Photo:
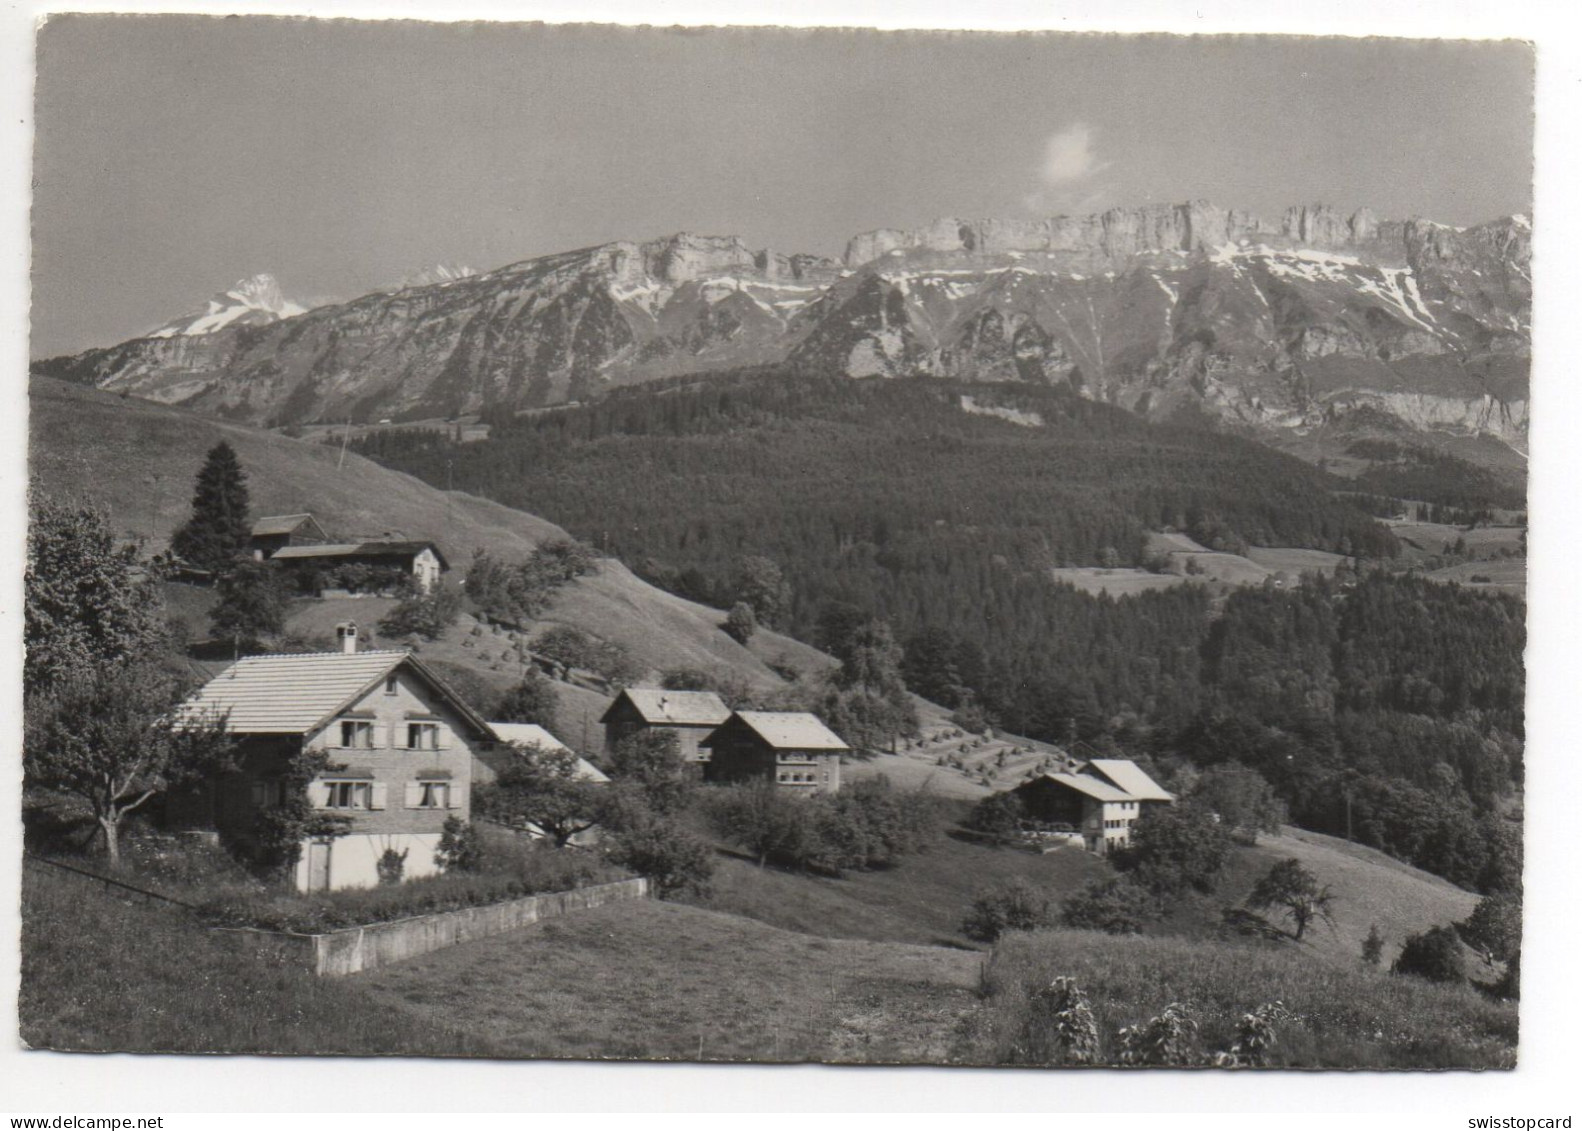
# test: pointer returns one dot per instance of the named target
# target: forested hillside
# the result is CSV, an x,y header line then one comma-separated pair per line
x,y
1378,704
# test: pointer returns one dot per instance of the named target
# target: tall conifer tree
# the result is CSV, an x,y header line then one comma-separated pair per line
x,y
217,533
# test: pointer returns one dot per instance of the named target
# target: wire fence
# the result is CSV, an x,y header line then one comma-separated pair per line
x,y
114,886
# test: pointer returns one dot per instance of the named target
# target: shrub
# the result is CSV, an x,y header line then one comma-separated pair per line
x,y
391,866
513,872
534,700
651,762
1373,946
460,847
764,820
1255,1036
1245,803
740,623
1494,928
424,614
1060,1026
1174,848
675,859
1114,906
971,717
1014,905
1168,1039
1435,955
998,815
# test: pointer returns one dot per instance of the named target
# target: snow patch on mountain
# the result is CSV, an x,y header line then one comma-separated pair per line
x,y
255,301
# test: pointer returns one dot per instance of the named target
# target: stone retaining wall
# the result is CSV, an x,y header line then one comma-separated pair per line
x,y
355,949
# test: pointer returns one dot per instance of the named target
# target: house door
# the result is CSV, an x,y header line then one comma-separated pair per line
x,y
318,865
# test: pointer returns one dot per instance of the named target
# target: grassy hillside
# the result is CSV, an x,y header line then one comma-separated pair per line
x,y
667,981
663,981
138,460
1370,888
1340,1016
922,899
103,975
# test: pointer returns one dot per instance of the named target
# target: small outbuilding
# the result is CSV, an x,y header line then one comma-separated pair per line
x,y
422,561
275,532
690,715
793,749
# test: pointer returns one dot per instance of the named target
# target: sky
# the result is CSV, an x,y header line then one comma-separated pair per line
x,y
175,155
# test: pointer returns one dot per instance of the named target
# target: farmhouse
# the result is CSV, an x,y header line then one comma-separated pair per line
x,y
1092,803
400,757
689,715
1128,777
422,561
793,749
277,531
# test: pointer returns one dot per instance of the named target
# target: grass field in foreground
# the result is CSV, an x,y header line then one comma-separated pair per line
x,y
664,981
1342,1016
103,975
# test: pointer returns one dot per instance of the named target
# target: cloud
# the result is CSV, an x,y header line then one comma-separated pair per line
x,y
1067,173
1069,156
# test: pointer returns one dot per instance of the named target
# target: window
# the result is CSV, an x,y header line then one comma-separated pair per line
x,y
357,734
433,795
422,736
392,685
268,793
349,795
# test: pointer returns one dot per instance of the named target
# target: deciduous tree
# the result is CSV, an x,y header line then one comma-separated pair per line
x,y
541,787
1295,892
85,608
114,739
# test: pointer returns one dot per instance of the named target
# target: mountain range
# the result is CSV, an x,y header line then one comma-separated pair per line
x,y
1280,325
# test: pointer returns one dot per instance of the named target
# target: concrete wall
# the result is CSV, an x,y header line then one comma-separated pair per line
x,y
356,949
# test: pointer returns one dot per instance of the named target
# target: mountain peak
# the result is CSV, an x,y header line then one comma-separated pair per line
x,y
254,301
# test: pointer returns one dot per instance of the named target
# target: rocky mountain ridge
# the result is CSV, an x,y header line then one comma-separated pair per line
x,y
1278,325
254,301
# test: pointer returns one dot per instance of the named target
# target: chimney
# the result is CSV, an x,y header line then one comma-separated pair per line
x,y
346,633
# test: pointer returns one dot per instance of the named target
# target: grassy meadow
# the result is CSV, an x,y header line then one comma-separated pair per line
x,y
1341,1015
100,974
664,981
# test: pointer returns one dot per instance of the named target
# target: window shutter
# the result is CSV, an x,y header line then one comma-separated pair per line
x,y
456,796
379,792
414,794
442,737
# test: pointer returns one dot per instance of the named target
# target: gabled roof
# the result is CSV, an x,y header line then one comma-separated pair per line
x,y
791,730
528,734
297,694
531,734
661,707
1128,776
284,524
361,550
1093,787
